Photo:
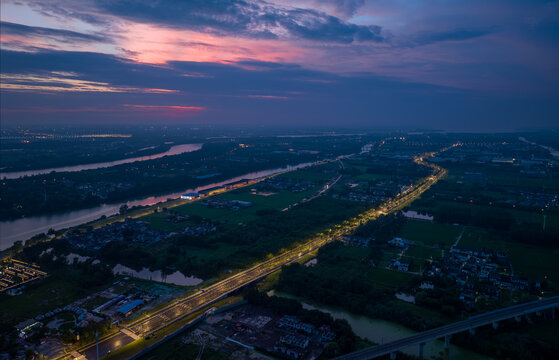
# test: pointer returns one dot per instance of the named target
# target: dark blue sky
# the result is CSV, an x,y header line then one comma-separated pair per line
x,y
457,65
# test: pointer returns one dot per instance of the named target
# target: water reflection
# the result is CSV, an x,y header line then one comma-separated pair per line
x,y
23,229
176,278
382,331
174,150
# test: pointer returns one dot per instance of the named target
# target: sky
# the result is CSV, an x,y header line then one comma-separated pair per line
x,y
472,65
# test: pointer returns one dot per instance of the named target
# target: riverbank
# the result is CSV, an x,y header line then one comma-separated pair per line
x,y
382,331
23,229
174,150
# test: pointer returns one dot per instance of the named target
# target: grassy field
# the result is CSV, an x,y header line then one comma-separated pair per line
x,y
388,279
429,233
504,176
41,297
424,253
353,259
277,201
388,254
426,313
520,216
315,175
370,177
248,234
94,302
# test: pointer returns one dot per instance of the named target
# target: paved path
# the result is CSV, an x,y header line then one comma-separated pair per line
x,y
458,238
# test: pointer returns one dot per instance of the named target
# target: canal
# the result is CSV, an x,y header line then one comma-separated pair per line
x,y
382,331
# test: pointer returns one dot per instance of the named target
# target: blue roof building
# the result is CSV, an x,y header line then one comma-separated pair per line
x,y
127,308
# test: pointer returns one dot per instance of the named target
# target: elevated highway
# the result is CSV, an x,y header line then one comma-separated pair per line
x,y
181,308
447,331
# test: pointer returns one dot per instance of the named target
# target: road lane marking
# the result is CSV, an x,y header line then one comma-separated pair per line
x,y
129,333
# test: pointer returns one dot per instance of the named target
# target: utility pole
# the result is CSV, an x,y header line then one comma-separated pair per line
x,y
97,343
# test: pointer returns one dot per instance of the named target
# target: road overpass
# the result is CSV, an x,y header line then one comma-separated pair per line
x,y
447,331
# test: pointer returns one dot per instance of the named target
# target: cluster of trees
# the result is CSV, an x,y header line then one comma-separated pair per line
x,y
272,231
444,297
510,341
341,281
83,275
44,154
65,191
9,341
346,341
501,220
382,229
350,293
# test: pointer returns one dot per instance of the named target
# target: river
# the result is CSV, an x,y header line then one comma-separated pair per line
x,y
23,229
382,331
174,150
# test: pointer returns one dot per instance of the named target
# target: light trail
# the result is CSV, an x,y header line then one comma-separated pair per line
x,y
182,307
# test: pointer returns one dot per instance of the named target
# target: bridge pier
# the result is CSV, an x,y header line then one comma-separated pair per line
x,y
393,355
421,346
518,318
447,342
472,331
495,325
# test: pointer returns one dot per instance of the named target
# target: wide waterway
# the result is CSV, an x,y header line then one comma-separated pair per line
x,y
23,229
382,331
174,150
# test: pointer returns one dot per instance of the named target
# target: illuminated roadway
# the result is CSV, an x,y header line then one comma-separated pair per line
x,y
183,307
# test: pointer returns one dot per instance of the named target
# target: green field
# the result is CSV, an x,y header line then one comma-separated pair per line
x,y
245,235
424,253
94,302
388,279
41,297
503,176
429,233
371,177
315,175
277,201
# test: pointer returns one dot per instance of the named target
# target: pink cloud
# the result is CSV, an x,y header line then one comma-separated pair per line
x,y
170,111
156,45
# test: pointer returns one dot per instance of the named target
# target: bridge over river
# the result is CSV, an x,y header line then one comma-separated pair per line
x,y
447,331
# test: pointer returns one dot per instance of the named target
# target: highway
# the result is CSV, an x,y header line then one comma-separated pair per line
x,y
447,330
189,304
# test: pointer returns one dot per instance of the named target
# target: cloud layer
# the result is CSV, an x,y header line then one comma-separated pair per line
x,y
374,63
